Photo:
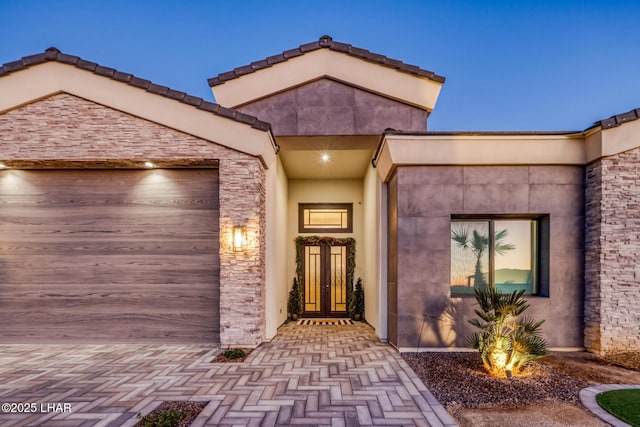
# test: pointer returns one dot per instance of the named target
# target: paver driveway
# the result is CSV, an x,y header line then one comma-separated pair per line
x,y
308,375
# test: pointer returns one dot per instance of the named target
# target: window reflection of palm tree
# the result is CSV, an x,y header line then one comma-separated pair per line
x,y
479,245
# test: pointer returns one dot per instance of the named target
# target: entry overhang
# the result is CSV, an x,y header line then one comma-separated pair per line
x,y
397,149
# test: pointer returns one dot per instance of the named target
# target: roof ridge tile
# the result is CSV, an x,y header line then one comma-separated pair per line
x,y
256,65
308,47
87,65
325,42
104,71
122,77
158,89
13,66
67,59
33,59
176,94
292,53
618,119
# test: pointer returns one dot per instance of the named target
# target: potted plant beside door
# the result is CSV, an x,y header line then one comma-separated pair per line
x,y
358,301
294,305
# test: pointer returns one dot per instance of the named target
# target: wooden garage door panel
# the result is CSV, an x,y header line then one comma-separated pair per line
x,y
99,269
203,243
117,256
130,327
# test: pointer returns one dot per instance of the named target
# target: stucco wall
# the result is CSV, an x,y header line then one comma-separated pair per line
x,y
67,127
392,260
327,107
427,197
612,317
278,286
370,249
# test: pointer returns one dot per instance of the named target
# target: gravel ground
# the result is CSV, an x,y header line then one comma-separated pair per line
x,y
629,360
548,394
459,379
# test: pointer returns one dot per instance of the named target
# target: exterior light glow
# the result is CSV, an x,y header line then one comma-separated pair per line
x,y
325,157
149,164
239,238
2,165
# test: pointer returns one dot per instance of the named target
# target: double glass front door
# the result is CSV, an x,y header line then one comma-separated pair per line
x,y
325,280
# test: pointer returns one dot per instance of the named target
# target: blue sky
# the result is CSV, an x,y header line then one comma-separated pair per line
x,y
510,65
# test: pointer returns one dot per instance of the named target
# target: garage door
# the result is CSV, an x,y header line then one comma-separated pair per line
x,y
109,256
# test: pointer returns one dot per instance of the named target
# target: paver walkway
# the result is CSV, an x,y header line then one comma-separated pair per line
x,y
308,375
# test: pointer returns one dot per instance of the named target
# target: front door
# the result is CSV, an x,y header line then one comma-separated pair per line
x,y
325,280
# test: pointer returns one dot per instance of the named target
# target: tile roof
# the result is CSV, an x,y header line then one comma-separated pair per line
x,y
325,42
618,119
53,54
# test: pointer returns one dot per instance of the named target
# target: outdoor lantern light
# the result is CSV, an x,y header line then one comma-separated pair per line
x,y
239,238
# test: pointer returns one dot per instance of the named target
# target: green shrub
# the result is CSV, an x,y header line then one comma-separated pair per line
x,y
294,305
234,353
506,341
169,418
358,299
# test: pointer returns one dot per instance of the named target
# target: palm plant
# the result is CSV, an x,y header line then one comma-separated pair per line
x,y
479,244
506,341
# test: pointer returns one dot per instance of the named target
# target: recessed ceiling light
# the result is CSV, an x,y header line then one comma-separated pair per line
x,y
325,157
149,164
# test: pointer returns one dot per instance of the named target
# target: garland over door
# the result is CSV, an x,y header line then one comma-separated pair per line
x,y
109,256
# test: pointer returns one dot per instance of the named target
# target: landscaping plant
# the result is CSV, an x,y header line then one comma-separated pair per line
x,y
234,353
169,418
507,341
294,305
357,301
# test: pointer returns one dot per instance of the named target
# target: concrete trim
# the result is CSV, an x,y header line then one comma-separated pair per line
x,y
620,139
415,90
509,149
50,78
435,350
469,350
502,148
588,399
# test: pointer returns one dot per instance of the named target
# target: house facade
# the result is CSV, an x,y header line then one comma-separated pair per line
x,y
135,213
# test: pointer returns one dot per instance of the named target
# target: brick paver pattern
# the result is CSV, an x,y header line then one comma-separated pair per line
x,y
338,375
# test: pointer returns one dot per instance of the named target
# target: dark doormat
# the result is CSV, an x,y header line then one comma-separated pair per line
x,y
335,322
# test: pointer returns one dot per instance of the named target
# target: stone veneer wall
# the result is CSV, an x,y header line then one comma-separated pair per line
x,y
71,128
612,272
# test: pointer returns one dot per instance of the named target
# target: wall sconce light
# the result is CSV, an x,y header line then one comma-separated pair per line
x,y
239,238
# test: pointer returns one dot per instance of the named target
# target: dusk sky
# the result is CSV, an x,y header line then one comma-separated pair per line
x,y
510,65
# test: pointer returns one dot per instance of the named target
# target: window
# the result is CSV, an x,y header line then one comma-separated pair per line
x,y
500,252
325,218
